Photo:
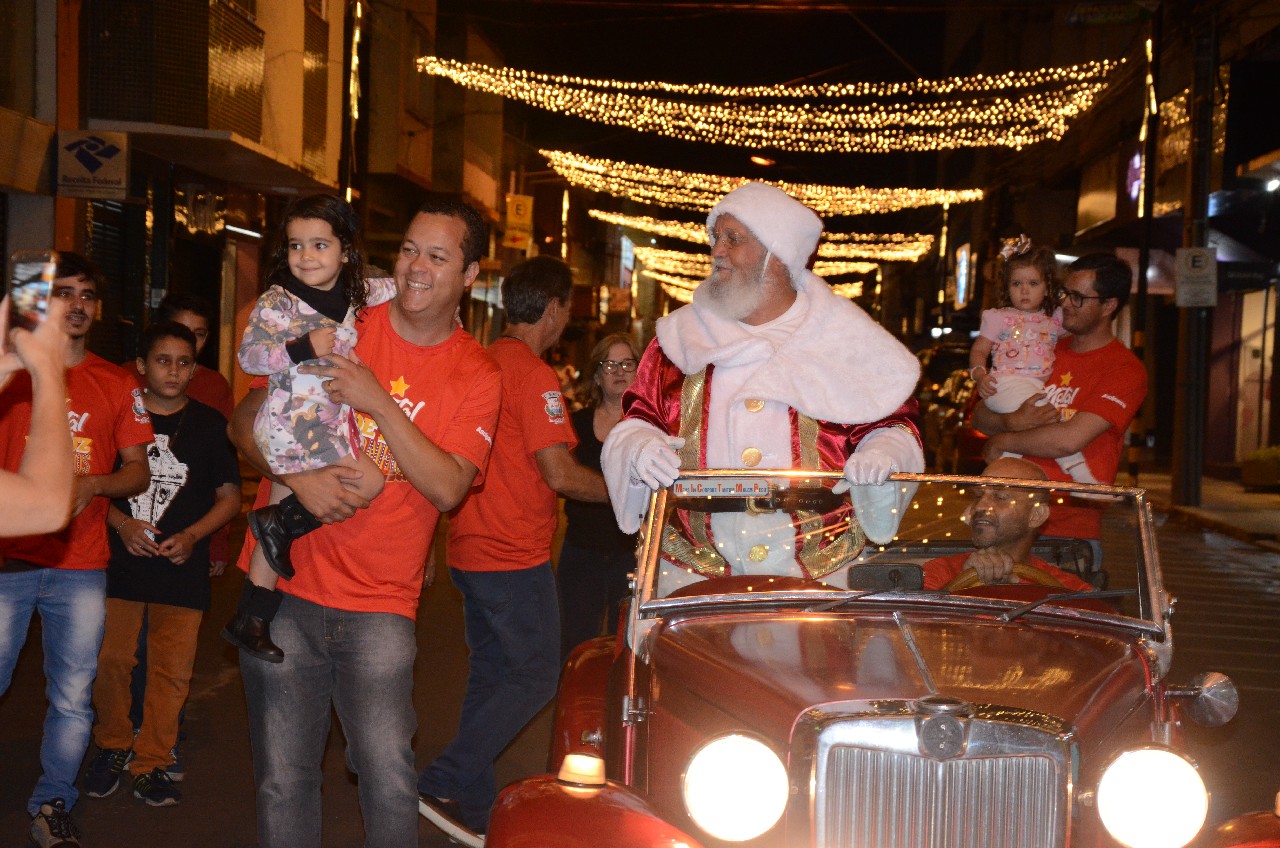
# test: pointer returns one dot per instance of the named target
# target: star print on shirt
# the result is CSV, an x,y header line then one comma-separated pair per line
x,y
1065,379
399,387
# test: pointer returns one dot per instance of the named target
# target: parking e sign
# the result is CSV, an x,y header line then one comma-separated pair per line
x,y
1196,281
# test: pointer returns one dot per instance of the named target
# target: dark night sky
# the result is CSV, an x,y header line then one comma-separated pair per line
x,y
642,41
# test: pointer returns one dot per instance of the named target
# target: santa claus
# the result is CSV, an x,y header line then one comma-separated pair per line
x,y
766,369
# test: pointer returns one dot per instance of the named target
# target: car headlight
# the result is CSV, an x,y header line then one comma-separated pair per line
x,y
735,788
1152,798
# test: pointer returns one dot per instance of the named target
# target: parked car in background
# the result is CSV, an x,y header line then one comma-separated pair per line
x,y
951,444
842,705
938,363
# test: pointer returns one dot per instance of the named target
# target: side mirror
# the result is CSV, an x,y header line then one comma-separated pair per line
x,y
1211,700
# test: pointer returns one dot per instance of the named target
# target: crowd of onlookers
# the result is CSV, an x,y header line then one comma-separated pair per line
x,y
373,413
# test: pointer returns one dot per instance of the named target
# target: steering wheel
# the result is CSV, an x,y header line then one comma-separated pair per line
x,y
968,578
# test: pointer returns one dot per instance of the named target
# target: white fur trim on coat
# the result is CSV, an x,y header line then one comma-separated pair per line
x,y
839,366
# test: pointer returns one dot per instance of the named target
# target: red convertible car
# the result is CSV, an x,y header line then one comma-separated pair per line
x,y
782,680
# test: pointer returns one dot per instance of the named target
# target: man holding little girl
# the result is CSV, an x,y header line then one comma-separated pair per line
x,y
1094,390
345,623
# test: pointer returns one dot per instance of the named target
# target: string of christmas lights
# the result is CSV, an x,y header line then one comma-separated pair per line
x,y
699,192
1010,110
883,247
1175,124
698,266
677,288
849,290
681,289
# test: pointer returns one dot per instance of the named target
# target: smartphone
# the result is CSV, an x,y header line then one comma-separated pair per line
x,y
31,275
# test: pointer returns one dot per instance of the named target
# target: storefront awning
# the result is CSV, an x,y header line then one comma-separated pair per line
x,y
220,154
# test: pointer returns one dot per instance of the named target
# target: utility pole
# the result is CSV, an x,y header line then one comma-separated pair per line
x,y
1150,155
1193,323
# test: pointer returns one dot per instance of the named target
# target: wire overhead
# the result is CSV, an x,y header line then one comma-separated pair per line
x,y
1010,110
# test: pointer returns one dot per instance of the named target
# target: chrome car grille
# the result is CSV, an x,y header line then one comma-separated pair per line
x,y
876,788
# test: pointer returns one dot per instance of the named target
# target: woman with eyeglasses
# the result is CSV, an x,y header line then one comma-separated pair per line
x,y
596,557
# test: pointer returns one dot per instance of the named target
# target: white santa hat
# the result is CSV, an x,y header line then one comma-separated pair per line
x,y
786,227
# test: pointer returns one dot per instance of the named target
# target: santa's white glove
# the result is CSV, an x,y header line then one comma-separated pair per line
x,y
865,468
656,463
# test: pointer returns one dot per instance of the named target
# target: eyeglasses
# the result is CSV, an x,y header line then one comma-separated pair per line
x,y
1077,299
86,296
611,367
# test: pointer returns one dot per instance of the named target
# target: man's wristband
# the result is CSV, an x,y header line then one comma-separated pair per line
x,y
123,521
973,372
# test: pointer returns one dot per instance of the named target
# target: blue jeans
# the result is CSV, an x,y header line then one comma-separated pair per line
x,y
513,632
73,612
362,664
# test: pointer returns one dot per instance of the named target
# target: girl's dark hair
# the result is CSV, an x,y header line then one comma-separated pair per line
x,y
341,218
1040,258
160,330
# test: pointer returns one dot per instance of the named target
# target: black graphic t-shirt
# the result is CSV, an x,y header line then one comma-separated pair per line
x,y
190,459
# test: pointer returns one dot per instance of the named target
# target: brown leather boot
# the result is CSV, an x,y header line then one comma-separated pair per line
x,y
250,628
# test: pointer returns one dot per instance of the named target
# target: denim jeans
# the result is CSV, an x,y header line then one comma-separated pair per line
x,y
361,663
72,607
513,632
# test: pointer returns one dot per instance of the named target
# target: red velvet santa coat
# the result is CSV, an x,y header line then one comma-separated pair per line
x,y
824,362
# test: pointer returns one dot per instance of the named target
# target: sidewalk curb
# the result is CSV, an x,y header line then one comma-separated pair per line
x,y
1196,517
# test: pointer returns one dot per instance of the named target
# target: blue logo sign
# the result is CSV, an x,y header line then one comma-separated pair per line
x,y
92,152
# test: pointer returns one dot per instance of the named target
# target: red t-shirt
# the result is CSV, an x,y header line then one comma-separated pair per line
x,y
507,523
1111,383
373,561
105,410
939,572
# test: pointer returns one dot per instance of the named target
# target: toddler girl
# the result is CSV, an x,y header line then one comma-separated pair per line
x,y
1019,336
316,289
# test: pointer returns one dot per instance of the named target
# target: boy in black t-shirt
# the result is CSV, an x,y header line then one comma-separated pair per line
x,y
159,569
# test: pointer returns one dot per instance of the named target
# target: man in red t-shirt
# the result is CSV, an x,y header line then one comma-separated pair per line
x,y
62,575
1004,523
1096,388
427,398
508,589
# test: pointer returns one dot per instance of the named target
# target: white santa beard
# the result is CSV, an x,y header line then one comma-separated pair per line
x,y
736,302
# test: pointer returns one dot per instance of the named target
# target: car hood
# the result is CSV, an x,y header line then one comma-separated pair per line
x,y
762,672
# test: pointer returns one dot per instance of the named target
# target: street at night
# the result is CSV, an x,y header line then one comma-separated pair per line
x,y
1228,602
511,272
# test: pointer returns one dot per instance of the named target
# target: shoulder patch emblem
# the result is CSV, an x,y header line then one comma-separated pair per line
x,y
554,407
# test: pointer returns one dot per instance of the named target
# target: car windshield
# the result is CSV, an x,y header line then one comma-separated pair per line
x,y
722,533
